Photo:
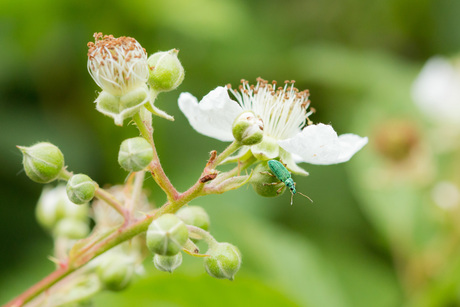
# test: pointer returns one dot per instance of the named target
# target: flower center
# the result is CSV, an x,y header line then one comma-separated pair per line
x,y
283,110
118,65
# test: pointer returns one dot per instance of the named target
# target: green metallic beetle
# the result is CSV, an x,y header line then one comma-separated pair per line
x,y
282,174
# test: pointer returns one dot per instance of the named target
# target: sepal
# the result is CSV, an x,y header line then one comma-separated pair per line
x,y
221,185
122,107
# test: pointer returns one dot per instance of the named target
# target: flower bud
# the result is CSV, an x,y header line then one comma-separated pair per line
x,y
167,263
265,183
71,228
43,162
166,71
166,235
115,271
194,215
135,154
248,129
54,205
224,261
80,189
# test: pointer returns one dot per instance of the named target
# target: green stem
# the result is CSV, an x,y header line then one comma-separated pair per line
x,y
206,236
146,134
155,168
234,146
65,174
137,190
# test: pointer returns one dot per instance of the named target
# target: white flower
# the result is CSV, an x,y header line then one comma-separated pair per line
x,y
436,91
446,195
117,65
284,112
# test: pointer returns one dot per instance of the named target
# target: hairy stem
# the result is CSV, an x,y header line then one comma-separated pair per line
x,y
124,233
234,146
206,236
155,167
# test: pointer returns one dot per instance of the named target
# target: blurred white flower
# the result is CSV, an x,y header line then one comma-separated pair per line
x,y
284,113
54,206
446,195
436,90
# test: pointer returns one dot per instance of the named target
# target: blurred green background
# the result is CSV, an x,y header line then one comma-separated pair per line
x,y
372,237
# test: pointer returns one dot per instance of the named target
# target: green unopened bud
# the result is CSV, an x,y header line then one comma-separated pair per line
x,y
166,71
43,162
194,215
248,129
80,189
71,228
265,183
166,235
135,154
224,261
115,271
167,263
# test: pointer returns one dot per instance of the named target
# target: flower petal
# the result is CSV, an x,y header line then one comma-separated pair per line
x,y
319,144
214,115
289,160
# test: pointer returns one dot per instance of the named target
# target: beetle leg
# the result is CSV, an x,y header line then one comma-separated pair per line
x,y
279,190
272,183
268,173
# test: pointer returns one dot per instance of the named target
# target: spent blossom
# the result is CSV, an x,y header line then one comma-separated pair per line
x,y
119,66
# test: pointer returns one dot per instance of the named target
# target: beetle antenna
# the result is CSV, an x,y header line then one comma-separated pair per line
x,y
305,196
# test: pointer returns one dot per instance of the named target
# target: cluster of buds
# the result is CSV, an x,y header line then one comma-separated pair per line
x,y
168,235
129,79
